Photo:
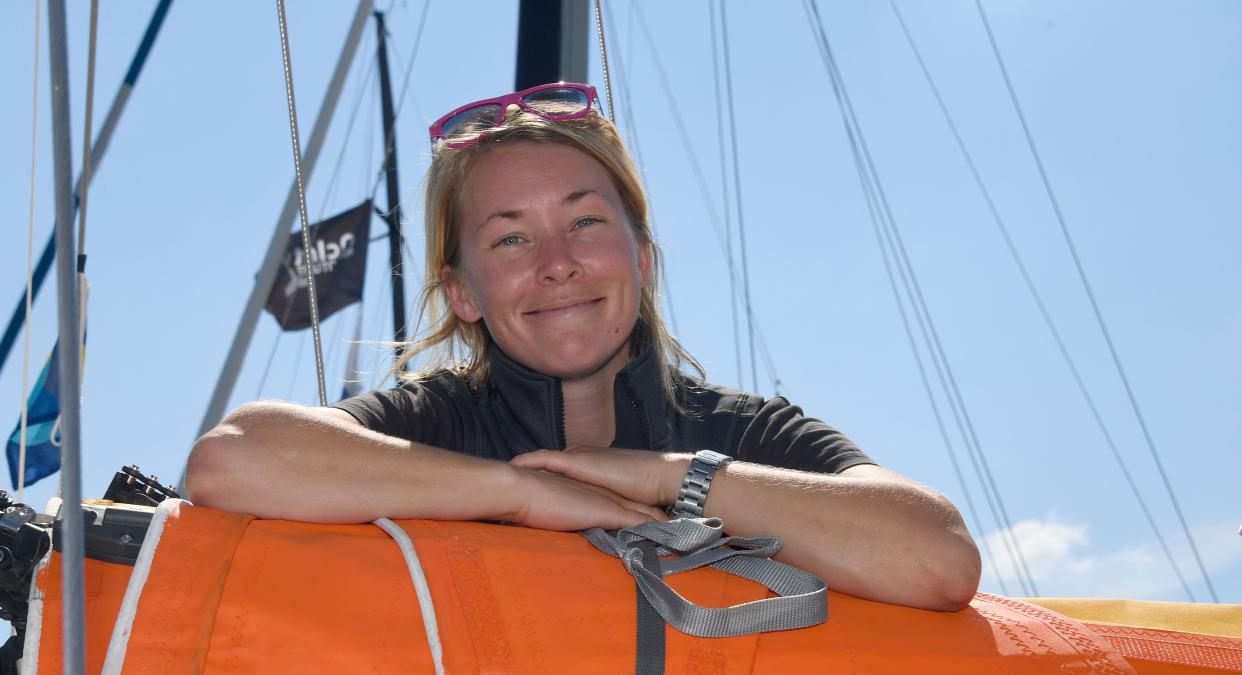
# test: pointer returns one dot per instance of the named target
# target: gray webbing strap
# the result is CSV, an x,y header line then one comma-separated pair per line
x,y
803,597
649,638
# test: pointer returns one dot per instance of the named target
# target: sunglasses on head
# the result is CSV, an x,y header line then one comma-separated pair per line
x,y
559,102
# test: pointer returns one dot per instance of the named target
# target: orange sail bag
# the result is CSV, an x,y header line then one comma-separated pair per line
x,y
221,592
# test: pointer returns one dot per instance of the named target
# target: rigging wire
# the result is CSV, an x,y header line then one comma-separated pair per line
x,y
267,368
926,324
603,58
34,163
1095,306
1043,310
722,233
293,377
43,266
409,64
86,145
768,363
884,241
328,192
930,335
365,88
683,135
377,316
379,174
724,189
83,293
333,343
632,127
626,102
885,255
297,169
389,141
737,196
369,135
405,85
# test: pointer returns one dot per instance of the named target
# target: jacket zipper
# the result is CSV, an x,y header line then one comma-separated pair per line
x,y
638,410
558,398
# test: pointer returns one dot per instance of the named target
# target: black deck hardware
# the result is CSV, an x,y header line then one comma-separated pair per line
x,y
114,533
24,539
131,486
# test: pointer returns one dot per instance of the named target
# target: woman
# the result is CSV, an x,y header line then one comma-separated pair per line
x,y
561,401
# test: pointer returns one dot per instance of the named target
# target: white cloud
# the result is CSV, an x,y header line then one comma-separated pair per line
x,y
1062,563
1044,545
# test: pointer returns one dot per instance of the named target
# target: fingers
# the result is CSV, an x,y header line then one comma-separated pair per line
x,y
631,516
556,502
590,464
649,511
573,465
539,459
652,513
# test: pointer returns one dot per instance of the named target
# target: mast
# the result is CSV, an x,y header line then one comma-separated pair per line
x,y
552,42
97,153
280,238
73,542
393,215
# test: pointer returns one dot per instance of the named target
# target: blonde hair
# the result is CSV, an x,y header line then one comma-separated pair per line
x,y
462,347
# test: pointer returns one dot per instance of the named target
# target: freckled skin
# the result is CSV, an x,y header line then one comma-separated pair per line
x,y
549,260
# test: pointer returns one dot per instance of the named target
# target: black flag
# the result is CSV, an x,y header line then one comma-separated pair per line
x,y
338,260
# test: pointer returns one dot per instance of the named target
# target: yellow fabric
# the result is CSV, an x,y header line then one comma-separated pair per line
x,y
1187,617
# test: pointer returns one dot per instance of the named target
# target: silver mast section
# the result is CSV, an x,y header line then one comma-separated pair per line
x,y
280,238
71,533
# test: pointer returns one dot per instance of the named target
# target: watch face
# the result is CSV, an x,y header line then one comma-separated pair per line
x,y
712,457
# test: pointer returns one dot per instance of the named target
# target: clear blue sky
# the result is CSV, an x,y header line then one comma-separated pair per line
x,y
1134,107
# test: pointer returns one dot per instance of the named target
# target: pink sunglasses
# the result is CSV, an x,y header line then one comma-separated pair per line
x,y
559,101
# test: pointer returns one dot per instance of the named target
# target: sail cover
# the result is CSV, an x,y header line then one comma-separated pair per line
x,y
338,259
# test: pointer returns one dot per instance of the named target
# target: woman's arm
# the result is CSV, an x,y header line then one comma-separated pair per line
x,y
867,531
283,460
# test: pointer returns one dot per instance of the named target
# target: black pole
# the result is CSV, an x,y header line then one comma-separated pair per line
x,y
538,43
393,215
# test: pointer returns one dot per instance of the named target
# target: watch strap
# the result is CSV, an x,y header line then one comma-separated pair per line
x,y
692,496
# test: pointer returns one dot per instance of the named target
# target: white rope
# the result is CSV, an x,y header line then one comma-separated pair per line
x,y
34,619
34,144
420,589
121,630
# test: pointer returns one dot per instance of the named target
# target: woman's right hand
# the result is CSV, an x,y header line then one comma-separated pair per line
x,y
551,501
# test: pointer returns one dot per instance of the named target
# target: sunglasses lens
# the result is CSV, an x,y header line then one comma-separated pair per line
x,y
473,120
557,101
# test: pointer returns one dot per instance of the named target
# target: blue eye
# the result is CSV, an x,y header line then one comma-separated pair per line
x,y
510,240
586,222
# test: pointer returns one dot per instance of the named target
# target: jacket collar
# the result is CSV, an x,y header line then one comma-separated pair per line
x,y
532,407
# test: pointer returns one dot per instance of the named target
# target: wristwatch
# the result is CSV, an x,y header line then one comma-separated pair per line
x,y
693,493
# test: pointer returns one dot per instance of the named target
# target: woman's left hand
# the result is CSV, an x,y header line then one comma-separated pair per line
x,y
638,475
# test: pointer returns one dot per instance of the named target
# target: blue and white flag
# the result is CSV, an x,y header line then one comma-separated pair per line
x,y
42,426
43,413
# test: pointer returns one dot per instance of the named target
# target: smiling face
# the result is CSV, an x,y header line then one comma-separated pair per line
x,y
548,260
